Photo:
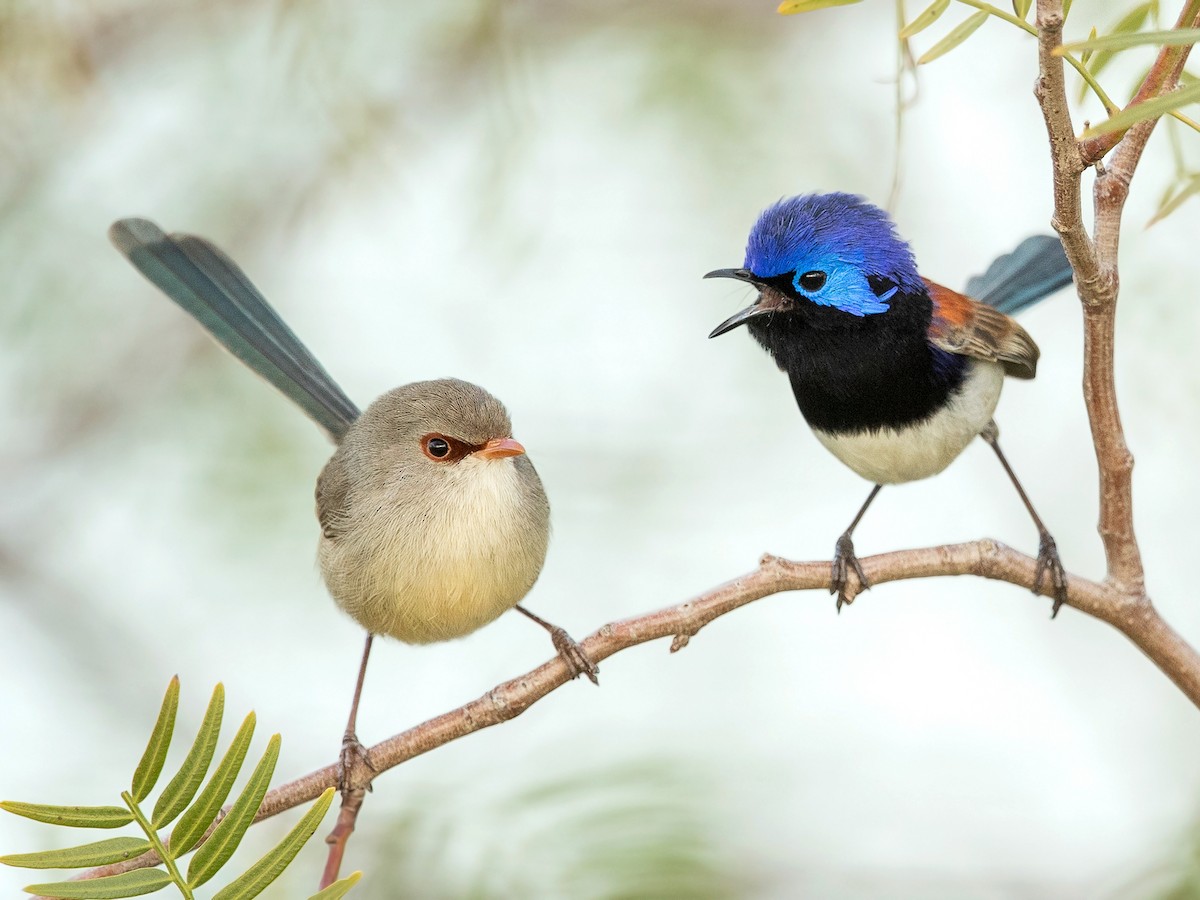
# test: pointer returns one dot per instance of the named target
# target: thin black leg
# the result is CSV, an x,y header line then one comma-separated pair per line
x,y
1048,561
844,559
570,651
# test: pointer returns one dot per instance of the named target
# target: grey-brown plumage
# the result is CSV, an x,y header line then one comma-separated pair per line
x,y
425,549
433,520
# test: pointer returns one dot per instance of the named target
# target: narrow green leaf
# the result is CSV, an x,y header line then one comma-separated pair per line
x,y
338,889
960,33
1067,9
1147,109
1021,8
151,764
72,816
215,852
1132,21
1087,54
1173,200
182,788
254,880
98,853
1173,38
127,884
200,815
931,14
791,7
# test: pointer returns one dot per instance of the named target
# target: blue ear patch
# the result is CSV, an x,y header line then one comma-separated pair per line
x,y
847,289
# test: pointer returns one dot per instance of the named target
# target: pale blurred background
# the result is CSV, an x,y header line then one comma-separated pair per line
x,y
526,195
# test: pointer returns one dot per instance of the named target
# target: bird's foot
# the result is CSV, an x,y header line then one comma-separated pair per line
x,y
843,561
1048,563
355,769
572,654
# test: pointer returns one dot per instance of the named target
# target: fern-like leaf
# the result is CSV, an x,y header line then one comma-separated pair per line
x,y
224,840
254,880
183,787
195,821
127,884
150,766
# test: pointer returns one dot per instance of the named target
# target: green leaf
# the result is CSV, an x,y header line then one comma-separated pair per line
x,y
215,852
182,788
1173,38
1147,109
254,880
1087,54
156,750
1067,9
338,889
98,853
196,820
954,38
1132,21
127,884
1173,200
791,7
932,13
71,816
1021,8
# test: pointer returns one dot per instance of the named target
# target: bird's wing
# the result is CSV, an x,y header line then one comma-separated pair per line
x,y
969,328
333,496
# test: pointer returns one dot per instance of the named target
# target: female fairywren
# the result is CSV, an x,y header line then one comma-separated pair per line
x,y
433,519
894,373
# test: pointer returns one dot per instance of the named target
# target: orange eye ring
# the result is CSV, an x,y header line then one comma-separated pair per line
x,y
441,449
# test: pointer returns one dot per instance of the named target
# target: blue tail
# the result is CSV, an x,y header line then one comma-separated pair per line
x,y
1036,269
211,287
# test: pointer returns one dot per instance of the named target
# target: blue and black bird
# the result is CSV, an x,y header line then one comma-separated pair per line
x,y
895,374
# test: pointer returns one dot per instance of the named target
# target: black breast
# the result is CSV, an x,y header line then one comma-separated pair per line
x,y
854,374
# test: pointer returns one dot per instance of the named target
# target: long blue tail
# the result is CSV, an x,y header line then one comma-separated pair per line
x,y
1036,269
211,287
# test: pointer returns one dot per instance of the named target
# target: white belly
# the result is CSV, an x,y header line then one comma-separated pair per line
x,y
894,456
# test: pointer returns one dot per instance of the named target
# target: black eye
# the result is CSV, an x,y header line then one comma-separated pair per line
x,y
811,281
438,448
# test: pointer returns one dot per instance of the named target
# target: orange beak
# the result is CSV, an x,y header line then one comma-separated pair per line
x,y
498,448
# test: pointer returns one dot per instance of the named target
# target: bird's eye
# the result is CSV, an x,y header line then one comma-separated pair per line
x,y
435,446
811,281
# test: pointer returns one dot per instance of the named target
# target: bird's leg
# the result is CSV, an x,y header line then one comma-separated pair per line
x,y
844,559
354,755
568,649
1048,561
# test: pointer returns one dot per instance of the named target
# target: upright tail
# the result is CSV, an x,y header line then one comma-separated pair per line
x,y
1036,269
211,287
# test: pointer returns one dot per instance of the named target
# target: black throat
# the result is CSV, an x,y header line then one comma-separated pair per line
x,y
854,374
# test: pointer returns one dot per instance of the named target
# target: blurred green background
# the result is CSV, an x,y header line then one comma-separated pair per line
x,y
525,195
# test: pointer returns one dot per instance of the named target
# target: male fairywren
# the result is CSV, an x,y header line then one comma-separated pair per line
x,y
894,373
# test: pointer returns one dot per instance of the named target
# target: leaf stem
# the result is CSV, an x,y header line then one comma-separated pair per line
x,y
159,847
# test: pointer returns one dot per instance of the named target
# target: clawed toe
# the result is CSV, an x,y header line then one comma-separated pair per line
x,y
572,654
1048,562
843,561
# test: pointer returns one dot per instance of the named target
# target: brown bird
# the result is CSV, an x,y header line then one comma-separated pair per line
x,y
433,519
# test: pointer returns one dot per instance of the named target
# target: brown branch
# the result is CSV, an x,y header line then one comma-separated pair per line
x,y
1133,616
1097,277
1162,77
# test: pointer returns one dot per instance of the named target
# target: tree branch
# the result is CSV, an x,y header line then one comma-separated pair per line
x,y
1162,77
1134,617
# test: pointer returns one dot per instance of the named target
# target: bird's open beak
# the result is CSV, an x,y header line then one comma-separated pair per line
x,y
498,448
769,301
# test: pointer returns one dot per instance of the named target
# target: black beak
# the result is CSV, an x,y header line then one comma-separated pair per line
x,y
737,274
760,308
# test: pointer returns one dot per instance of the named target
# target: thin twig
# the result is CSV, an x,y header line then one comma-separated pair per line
x,y
985,558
